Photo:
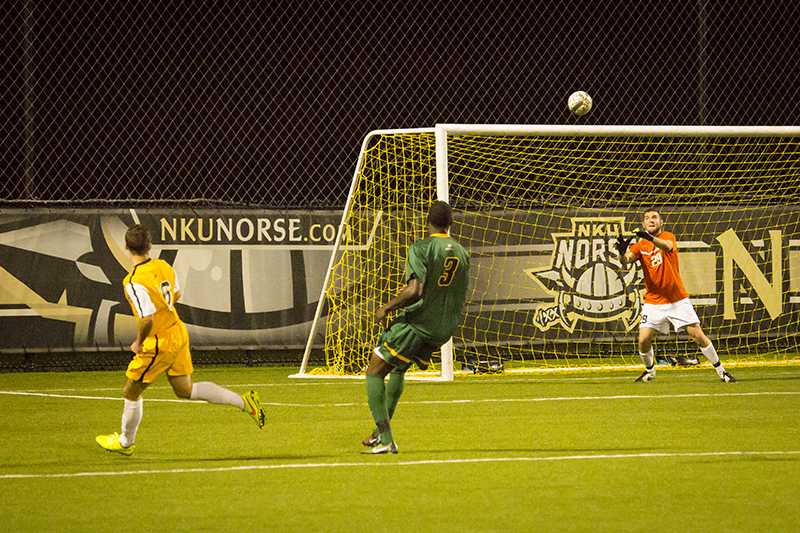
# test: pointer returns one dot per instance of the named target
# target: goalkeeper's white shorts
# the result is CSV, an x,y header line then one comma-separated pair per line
x,y
659,316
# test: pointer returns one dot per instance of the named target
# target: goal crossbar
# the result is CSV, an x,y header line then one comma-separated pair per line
x,y
553,130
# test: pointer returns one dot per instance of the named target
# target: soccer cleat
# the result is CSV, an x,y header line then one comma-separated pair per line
x,y
373,440
645,377
112,444
727,377
382,448
252,406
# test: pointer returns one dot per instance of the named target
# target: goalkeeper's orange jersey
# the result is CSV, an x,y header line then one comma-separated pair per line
x,y
150,289
662,276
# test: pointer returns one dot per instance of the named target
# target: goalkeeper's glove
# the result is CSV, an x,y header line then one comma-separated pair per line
x,y
642,234
623,243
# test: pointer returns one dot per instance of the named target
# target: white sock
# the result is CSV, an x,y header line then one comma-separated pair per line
x,y
649,360
131,416
213,393
711,354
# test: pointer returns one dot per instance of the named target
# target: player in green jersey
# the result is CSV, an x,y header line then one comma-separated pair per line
x,y
431,302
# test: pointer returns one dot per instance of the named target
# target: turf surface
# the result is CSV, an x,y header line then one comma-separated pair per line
x,y
560,452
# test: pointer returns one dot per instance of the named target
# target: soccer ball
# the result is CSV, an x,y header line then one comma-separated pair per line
x,y
579,103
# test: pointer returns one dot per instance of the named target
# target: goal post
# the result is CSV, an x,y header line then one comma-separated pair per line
x,y
365,237
538,208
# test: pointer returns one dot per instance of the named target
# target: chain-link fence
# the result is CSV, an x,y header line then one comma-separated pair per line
x,y
265,103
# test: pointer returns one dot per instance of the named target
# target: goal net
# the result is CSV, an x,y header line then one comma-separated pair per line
x,y
539,209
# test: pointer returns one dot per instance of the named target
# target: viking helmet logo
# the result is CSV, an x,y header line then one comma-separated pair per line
x,y
588,279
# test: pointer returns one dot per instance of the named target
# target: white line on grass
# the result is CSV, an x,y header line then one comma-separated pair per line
x,y
81,397
446,402
422,462
550,399
229,385
471,380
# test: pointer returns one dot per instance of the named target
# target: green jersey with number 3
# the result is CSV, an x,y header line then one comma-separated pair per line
x,y
442,266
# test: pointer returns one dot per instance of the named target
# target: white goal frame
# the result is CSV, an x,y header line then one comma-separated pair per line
x,y
443,131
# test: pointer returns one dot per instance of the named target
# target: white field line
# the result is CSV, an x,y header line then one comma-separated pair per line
x,y
82,397
228,385
423,462
448,402
676,373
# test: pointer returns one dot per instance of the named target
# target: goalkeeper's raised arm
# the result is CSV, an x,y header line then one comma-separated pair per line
x,y
651,227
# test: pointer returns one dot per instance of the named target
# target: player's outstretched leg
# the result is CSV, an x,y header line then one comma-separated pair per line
x,y
124,442
695,333
376,398
394,389
210,392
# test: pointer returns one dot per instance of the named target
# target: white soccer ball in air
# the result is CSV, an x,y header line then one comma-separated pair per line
x,y
579,103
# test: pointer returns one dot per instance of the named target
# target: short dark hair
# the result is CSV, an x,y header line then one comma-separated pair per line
x,y
652,210
440,215
137,239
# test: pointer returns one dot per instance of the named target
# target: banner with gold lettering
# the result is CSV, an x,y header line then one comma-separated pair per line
x,y
252,279
554,276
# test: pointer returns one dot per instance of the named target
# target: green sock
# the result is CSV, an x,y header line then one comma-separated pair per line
x,y
394,389
376,398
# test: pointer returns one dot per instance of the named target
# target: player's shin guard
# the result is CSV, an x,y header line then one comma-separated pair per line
x,y
710,353
648,359
131,417
213,393
376,398
394,389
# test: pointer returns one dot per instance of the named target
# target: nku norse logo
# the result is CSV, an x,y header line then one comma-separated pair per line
x,y
587,278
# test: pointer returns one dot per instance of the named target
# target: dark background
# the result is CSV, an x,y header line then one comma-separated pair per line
x,y
266,103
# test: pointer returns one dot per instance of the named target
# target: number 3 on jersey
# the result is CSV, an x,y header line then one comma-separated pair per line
x,y
449,272
166,292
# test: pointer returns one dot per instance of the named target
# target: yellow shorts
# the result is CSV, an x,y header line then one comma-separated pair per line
x,y
167,352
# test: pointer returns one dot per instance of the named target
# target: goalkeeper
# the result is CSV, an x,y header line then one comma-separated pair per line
x,y
431,302
666,300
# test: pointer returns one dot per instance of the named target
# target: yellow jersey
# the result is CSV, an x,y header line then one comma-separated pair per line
x,y
150,289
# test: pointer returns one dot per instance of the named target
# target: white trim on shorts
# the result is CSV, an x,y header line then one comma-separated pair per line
x,y
659,316
378,352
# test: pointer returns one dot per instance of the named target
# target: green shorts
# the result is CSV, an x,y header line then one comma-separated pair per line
x,y
401,345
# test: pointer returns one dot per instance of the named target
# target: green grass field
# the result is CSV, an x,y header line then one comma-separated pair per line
x,y
556,452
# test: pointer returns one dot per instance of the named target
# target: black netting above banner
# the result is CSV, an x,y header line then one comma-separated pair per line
x,y
266,103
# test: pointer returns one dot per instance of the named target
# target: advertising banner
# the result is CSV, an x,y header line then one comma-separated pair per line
x,y
249,278
252,279
555,275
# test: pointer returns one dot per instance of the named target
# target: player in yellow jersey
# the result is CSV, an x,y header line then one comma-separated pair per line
x,y
161,345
